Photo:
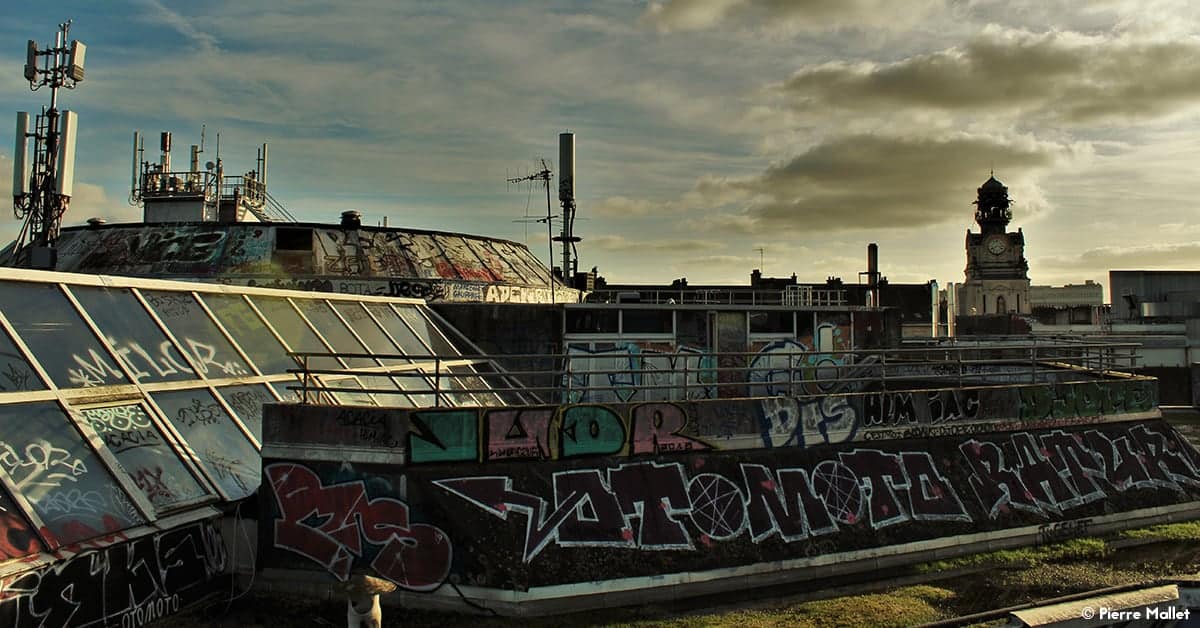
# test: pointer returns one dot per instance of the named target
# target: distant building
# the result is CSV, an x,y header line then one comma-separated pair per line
x,y
1087,293
1155,295
997,273
916,305
1072,304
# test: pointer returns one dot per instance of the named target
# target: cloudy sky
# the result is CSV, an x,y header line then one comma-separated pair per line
x,y
706,129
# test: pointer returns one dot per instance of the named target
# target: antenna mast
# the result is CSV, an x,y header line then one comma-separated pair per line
x,y
566,196
544,175
42,193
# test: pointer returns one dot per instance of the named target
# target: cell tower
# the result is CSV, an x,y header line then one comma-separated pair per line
x,y
566,196
42,189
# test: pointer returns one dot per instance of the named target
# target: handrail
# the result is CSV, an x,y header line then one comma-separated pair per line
x,y
631,373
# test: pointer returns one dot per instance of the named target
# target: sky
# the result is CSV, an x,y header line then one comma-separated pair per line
x,y
713,136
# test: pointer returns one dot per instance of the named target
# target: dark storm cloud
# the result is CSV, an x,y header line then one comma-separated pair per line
x,y
1062,76
880,182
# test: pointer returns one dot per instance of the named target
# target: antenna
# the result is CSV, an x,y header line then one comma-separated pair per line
x,y
761,252
41,194
543,175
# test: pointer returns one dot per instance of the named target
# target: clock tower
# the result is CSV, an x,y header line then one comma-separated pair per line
x,y
997,274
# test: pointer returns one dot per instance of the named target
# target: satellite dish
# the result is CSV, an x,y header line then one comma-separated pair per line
x,y
208,165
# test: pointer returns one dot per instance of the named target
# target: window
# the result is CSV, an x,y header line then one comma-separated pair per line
x,y
144,454
15,372
51,464
137,340
247,402
592,321
251,334
222,449
197,334
647,322
57,336
771,323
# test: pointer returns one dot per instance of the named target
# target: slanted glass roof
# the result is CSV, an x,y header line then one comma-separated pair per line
x,y
126,400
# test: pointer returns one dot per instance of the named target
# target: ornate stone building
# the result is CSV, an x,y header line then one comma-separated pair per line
x,y
997,274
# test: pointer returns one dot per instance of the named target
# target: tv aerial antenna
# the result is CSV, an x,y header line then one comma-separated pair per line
x,y
544,175
42,190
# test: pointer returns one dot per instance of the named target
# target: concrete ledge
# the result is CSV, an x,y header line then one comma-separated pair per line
x,y
581,596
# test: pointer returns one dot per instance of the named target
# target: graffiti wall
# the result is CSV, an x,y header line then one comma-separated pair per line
x,y
392,262
129,585
513,498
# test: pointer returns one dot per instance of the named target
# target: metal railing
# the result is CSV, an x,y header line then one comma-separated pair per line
x,y
642,375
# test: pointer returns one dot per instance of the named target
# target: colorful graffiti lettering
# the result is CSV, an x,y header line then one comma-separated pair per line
x,y
333,525
548,433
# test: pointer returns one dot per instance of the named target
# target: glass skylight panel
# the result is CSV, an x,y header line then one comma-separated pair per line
x,y
195,331
248,330
144,454
16,374
52,466
221,447
138,342
376,340
247,402
426,331
295,332
335,332
347,397
57,336
409,343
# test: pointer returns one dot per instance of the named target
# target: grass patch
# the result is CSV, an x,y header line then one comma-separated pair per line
x,y
1075,549
1186,531
902,607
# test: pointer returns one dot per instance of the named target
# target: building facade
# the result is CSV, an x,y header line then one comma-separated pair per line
x,y
997,273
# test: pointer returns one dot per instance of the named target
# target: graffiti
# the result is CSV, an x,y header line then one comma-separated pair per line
x,y
186,245
1089,399
129,585
1060,531
152,483
42,465
791,422
1057,471
310,285
416,290
122,427
631,372
548,433
93,370
462,261
17,373
926,407
647,505
788,367
229,470
17,537
200,413
371,427
336,525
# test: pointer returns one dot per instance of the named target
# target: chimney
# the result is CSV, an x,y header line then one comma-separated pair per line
x,y
351,219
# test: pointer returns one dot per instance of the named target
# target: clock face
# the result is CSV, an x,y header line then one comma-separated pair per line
x,y
996,246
